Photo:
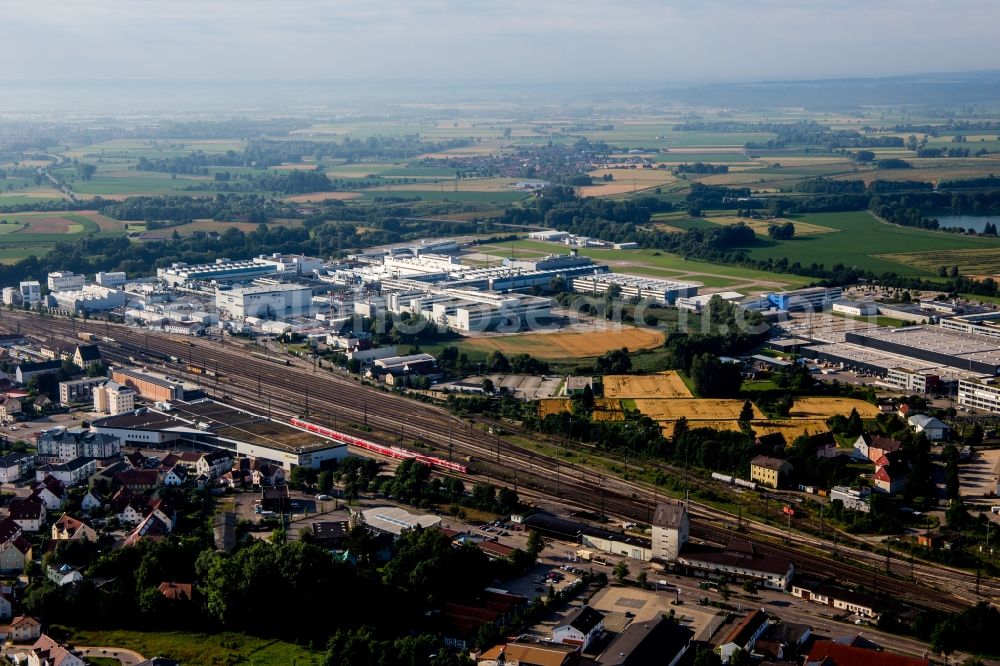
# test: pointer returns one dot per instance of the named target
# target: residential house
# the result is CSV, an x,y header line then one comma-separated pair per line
x,y
829,653
139,479
935,429
68,528
890,477
25,371
87,356
6,604
113,398
581,628
151,527
744,635
64,444
64,575
838,597
70,473
163,510
769,471
47,652
13,466
176,476
51,491
135,460
235,478
872,447
176,591
15,551
267,474
463,620
215,464
783,640
91,501
128,506
660,641
10,408
523,651
28,513
22,629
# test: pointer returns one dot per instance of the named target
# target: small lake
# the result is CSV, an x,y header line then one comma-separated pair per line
x,y
975,222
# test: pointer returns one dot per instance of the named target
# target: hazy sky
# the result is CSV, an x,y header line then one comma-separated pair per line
x,y
581,40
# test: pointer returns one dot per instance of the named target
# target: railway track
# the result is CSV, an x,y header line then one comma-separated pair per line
x,y
349,406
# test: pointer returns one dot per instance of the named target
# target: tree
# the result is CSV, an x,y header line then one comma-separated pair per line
x,y
706,657
740,658
750,587
535,543
714,379
641,578
325,481
855,426
487,386
621,572
746,414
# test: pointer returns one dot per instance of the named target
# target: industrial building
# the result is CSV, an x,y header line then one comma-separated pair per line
x,y
468,309
856,308
31,291
89,298
279,301
149,385
394,521
982,323
65,281
111,278
636,286
895,371
222,269
812,298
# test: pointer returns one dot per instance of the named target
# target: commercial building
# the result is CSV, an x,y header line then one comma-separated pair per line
x,y
980,393
279,301
111,279
113,398
657,641
581,628
812,298
856,308
853,499
89,298
31,292
739,561
895,371
744,634
982,323
25,371
698,303
394,521
149,385
221,270
972,353
78,391
636,286
468,309
65,281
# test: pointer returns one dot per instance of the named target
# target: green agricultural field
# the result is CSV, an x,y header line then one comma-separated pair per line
x,y
692,223
970,261
864,242
660,264
139,183
208,649
690,158
435,195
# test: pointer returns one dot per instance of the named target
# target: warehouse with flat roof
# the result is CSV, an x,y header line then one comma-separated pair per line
x,y
973,353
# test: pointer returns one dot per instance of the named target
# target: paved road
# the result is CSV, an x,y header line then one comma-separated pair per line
x,y
126,657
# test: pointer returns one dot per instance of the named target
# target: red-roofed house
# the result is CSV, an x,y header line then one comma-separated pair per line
x,y
176,591
68,528
744,635
22,629
47,652
828,653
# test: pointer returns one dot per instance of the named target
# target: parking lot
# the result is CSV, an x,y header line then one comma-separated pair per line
x,y
978,476
622,605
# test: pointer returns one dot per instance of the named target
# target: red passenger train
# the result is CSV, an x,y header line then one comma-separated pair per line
x,y
389,451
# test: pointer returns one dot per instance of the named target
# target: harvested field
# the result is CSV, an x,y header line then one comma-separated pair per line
x,y
693,409
664,385
760,226
625,181
607,409
824,408
984,261
790,429
323,196
667,427
571,344
549,406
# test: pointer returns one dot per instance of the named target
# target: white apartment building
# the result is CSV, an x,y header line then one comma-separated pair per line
x,y
11,296
279,301
111,279
113,398
65,280
31,291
